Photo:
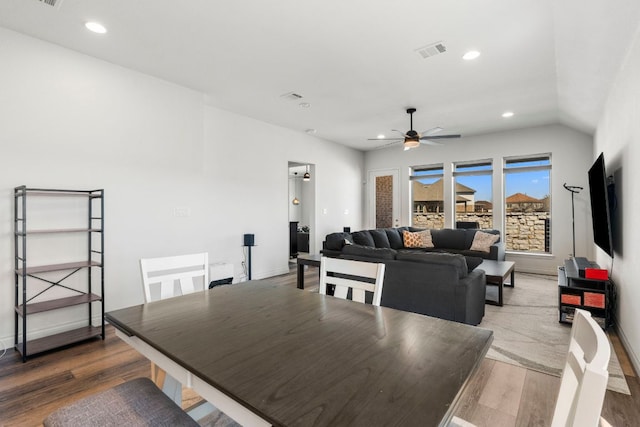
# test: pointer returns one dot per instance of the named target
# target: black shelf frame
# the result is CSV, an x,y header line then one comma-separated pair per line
x,y
571,283
24,271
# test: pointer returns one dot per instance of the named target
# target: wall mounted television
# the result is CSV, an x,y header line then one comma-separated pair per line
x,y
600,206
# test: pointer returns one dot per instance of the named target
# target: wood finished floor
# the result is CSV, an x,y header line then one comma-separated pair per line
x,y
498,395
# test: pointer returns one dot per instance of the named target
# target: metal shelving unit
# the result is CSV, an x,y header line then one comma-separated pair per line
x,y
30,301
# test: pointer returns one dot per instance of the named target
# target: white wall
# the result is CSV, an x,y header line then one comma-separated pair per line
x,y
70,121
618,136
571,153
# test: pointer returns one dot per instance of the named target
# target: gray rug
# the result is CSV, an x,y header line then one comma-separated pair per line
x,y
527,332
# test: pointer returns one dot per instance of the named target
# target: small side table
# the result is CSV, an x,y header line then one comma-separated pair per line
x,y
496,273
302,260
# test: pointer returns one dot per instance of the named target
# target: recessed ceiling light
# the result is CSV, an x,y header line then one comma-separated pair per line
x,y
310,131
305,105
381,136
507,114
472,54
96,27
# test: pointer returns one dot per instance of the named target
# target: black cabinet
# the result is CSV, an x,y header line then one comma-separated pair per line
x,y
293,239
593,295
303,242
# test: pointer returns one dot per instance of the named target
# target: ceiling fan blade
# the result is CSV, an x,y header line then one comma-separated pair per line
x,y
388,144
431,131
384,139
429,142
400,132
441,137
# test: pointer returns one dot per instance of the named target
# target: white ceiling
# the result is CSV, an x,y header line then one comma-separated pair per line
x,y
355,61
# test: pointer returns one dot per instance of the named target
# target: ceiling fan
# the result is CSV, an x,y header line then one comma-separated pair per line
x,y
412,139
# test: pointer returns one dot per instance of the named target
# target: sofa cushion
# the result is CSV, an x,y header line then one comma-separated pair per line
x,y
471,234
369,252
420,239
380,238
395,238
448,238
335,241
482,241
363,238
473,262
456,261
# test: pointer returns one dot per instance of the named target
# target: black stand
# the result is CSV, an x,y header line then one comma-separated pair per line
x,y
249,262
573,190
249,241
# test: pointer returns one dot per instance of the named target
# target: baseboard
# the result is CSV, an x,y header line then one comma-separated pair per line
x,y
633,357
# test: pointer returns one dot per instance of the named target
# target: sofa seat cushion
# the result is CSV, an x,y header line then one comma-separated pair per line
x,y
442,258
363,238
369,252
448,238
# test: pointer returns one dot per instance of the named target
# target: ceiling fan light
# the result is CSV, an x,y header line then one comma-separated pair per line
x,y
295,201
411,143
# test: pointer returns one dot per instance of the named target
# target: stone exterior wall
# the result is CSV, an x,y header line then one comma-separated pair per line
x,y
525,231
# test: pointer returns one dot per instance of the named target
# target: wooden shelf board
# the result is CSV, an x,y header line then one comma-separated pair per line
x,y
58,193
54,304
59,230
58,267
58,340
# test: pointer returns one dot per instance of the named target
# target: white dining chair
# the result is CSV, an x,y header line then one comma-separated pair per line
x,y
172,276
584,377
168,277
359,276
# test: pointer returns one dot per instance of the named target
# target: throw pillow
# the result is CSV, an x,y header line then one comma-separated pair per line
x,y
482,241
420,239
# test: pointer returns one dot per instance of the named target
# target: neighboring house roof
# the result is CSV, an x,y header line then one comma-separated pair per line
x,y
434,192
521,198
487,204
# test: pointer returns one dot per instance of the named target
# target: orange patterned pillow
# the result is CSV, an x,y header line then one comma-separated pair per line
x,y
419,239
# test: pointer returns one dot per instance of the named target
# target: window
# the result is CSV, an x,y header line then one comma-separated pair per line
x,y
427,196
527,203
473,195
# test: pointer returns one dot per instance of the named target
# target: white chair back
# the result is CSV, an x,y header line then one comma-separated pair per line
x,y
585,375
190,272
347,274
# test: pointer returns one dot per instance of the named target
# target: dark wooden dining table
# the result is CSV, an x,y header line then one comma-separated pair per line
x,y
269,354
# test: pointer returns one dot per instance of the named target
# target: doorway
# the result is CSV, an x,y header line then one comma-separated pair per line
x,y
301,207
384,199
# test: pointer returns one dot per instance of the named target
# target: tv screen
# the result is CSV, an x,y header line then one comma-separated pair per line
x,y
600,208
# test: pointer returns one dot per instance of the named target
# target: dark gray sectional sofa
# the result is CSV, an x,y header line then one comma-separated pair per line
x,y
442,281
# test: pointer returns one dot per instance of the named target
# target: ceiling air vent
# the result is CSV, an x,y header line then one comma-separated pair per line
x,y
432,50
52,3
291,96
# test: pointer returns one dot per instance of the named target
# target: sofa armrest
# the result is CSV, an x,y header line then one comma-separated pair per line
x,y
470,298
497,251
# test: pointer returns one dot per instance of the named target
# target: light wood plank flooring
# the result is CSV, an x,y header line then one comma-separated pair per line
x,y
498,395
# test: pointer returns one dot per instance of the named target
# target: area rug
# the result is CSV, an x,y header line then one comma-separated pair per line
x,y
527,332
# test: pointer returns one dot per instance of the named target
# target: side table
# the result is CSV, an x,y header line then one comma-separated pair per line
x,y
302,260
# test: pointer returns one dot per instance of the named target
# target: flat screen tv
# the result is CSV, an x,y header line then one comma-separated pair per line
x,y
600,207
